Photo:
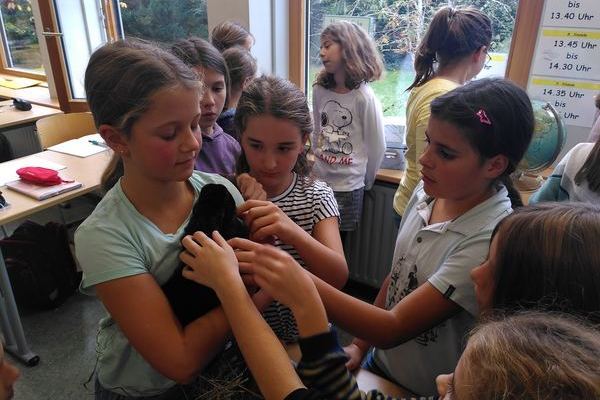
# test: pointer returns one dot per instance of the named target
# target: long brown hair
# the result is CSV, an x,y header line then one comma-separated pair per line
x,y
590,170
271,95
547,257
228,34
241,65
532,356
360,57
120,80
454,33
197,52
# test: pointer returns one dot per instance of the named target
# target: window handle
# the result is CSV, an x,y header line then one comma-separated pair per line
x,y
52,33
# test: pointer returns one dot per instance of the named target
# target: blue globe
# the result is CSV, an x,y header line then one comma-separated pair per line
x,y
548,138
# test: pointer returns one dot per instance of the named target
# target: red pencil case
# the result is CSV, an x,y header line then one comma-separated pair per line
x,y
40,176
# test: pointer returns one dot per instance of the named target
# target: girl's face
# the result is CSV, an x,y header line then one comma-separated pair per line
x,y
213,99
451,168
483,278
272,146
166,139
331,55
479,59
8,376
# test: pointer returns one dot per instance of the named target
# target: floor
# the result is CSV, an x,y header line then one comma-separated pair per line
x,y
64,339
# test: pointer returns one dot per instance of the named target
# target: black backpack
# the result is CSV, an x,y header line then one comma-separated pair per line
x,y
40,265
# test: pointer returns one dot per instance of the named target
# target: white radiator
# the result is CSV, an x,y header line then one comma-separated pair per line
x,y
370,248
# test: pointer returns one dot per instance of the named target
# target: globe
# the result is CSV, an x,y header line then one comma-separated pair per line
x,y
549,137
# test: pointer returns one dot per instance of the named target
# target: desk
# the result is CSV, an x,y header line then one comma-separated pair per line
x,y
18,127
86,170
34,94
10,116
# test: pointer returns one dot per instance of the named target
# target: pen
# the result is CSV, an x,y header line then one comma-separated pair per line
x,y
97,143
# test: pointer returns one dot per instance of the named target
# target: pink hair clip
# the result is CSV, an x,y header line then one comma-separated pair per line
x,y
483,118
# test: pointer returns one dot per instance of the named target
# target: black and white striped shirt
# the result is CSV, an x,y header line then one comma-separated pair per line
x,y
306,201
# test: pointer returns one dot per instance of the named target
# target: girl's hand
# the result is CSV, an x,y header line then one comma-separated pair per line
x,y
355,354
250,188
274,271
208,262
266,220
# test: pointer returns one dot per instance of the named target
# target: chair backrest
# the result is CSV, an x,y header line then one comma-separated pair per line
x,y
59,128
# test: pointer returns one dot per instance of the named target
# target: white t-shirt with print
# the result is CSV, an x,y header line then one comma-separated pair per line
x,y
443,255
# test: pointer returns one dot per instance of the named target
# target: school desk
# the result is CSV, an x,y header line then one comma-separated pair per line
x,y
34,94
86,170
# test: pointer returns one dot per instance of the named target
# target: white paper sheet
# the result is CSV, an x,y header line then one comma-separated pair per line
x,y
82,147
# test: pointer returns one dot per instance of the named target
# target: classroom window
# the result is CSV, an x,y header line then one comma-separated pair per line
x,y
19,40
162,21
397,26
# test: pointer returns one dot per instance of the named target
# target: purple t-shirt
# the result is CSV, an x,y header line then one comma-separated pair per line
x,y
219,153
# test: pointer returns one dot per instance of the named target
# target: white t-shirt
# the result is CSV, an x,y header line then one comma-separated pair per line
x,y
348,140
442,254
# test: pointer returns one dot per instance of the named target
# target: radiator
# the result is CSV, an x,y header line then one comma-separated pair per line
x,y
23,140
370,248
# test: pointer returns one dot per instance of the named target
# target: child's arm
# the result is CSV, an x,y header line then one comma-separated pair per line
x,y
551,190
374,135
213,263
422,309
359,347
322,366
323,252
139,307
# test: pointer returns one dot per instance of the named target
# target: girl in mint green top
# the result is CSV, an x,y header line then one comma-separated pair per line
x,y
146,105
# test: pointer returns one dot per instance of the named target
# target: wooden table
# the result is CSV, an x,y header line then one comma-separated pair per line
x,y
10,116
86,170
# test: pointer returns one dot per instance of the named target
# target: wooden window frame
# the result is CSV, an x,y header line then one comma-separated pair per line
x,y
6,70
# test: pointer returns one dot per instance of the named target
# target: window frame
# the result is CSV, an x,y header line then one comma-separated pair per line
x,y
20,72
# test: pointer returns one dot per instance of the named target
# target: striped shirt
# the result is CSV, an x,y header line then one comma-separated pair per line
x,y
306,201
322,369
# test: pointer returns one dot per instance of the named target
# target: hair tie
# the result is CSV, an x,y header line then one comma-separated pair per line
x,y
483,118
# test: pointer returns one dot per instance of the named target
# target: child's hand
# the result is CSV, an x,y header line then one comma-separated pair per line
x,y
250,188
274,271
266,220
211,263
355,356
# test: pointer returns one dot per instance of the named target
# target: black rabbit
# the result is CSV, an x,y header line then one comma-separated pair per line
x,y
214,211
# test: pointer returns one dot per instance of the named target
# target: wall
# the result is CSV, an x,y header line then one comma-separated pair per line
x,y
267,20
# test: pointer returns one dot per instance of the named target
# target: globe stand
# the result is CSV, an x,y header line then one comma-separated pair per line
x,y
526,181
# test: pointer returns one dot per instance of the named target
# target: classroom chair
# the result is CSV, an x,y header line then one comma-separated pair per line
x,y
59,128
62,127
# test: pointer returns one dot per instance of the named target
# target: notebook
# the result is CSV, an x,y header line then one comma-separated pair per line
x,y
82,147
42,192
